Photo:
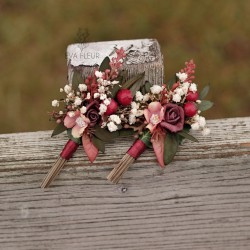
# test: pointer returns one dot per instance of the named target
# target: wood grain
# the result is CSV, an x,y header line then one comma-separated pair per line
x,y
200,201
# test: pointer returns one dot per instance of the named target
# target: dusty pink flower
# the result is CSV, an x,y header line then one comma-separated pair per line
x,y
173,118
154,115
78,123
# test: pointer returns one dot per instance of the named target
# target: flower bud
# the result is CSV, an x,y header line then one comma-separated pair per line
x,y
192,96
190,109
112,107
124,97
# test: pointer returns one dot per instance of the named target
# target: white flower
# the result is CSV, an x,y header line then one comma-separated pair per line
x,y
100,80
78,101
106,83
146,97
82,87
176,98
115,118
134,111
205,131
179,91
67,89
112,127
61,89
98,74
138,96
185,87
71,114
193,87
202,121
139,113
60,112
103,96
96,95
101,89
88,96
106,101
132,119
195,126
55,103
102,108
114,82
182,76
156,89
83,109
135,105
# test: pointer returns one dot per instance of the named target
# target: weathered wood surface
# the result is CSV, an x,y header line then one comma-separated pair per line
x,y
200,201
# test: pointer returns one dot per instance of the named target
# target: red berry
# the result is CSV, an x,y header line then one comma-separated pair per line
x,y
190,109
124,97
112,107
192,96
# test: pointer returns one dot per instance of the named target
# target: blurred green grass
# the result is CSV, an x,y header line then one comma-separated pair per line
x,y
34,36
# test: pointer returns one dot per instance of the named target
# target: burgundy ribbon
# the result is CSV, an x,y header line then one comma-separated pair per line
x,y
137,149
69,149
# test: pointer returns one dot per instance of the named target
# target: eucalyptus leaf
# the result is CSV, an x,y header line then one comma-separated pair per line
x,y
135,87
77,79
187,136
58,129
98,143
71,137
105,64
171,145
148,85
205,105
132,81
113,91
204,92
171,82
103,134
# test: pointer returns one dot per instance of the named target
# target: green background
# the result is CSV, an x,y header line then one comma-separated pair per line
x,y
34,36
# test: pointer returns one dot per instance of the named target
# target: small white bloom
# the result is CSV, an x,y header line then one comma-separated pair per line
x,y
82,87
132,119
156,89
115,118
196,118
198,111
138,96
106,83
88,96
60,112
96,95
205,131
146,97
135,105
112,127
122,116
202,121
195,126
133,111
185,87
107,101
114,82
176,98
139,113
193,87
179,91
102,108
100,81
83,109
98,74
71,114
78,101
198,101
101,89
182,76
55,103
103,96
61,89
70,95
67,89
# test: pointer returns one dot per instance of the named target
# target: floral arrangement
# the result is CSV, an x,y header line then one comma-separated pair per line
x,y
105,105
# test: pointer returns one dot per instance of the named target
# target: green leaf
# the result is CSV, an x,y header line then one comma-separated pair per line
x,y
58,129
204,92
103,134
134,88
132,80
98,143
126,132
113,91
187,136
205,105
171,145
71,137
148,85
171,82
146,138
77,79
105,64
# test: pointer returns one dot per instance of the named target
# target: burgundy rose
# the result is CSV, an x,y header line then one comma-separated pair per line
x,y
173,118
92,112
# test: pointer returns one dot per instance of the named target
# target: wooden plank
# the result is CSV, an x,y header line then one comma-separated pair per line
x,y
200,201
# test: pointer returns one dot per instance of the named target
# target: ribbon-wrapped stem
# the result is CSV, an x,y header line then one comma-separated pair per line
x,y
128,159
67,152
